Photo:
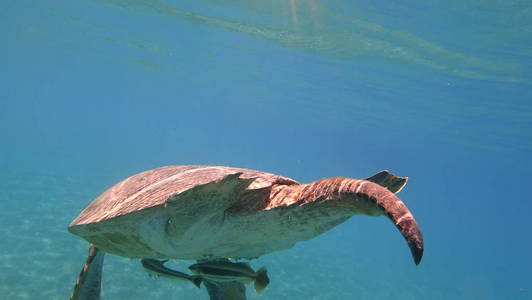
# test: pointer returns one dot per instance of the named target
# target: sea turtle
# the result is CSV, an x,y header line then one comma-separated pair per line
x,y
215,212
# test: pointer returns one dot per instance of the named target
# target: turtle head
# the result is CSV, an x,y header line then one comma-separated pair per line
x,y
367,198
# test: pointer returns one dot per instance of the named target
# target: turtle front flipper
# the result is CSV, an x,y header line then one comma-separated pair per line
x,y
388,180
89,282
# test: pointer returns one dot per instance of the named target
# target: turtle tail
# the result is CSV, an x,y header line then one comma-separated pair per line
x,y
261,280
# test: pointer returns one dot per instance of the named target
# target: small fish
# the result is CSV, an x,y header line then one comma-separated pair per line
x,y
229,271
157,268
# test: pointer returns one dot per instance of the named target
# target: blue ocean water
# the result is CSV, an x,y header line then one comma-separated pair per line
x,y
93,91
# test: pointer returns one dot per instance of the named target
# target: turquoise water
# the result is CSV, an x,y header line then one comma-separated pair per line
x,y
94,91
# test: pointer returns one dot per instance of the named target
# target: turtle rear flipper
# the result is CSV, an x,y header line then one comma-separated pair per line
x,y
388,180
89,282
